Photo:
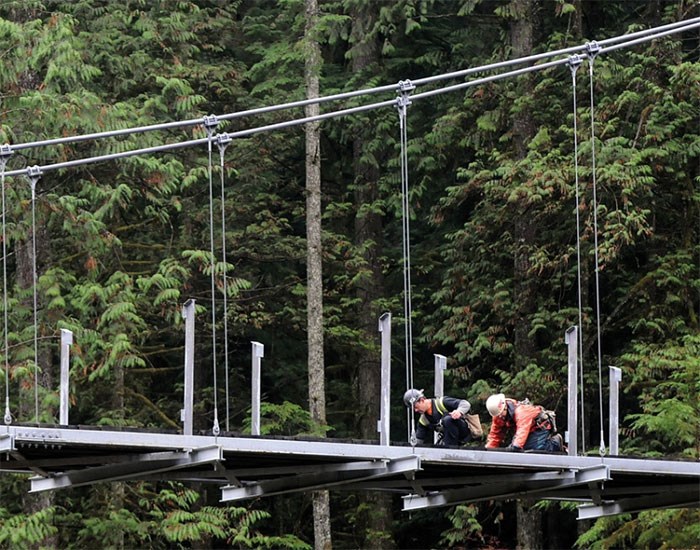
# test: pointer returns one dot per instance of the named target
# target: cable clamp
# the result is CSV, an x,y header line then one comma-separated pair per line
x,y
210,122
223,140
34,172
5,154
403,100
406,86
574,61
593,48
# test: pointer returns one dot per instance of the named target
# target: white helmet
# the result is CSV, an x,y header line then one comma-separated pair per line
x,y
411,396
496,404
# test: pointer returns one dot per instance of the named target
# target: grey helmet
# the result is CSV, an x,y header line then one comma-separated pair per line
x,y
411,396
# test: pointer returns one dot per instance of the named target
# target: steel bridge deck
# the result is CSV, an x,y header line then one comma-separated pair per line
x,y
249,467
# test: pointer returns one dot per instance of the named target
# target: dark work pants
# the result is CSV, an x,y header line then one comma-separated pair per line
x,y
454,432
539,440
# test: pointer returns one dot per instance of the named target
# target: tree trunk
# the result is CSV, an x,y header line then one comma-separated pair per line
x,y
314,271
529,519
375,526
529,525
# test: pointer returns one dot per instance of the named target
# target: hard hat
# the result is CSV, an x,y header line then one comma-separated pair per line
x,y
411,396
496,404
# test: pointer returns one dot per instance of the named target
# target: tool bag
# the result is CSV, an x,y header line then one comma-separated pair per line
x,y
474,424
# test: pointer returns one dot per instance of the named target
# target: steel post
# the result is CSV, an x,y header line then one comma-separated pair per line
x,y
571,340
439,385
258,353
187,413
615,379
385,400
66,343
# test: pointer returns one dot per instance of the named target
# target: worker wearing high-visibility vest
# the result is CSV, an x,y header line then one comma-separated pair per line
x,y
444,415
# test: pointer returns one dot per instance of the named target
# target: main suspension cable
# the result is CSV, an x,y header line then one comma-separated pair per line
x,y
614,43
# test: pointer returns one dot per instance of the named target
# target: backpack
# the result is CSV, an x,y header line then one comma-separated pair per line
x,y
547,420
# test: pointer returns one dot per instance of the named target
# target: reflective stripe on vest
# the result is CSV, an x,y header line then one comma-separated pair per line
x,y
440,406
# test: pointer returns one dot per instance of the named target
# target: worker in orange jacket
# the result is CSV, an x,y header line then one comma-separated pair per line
x,y
529,424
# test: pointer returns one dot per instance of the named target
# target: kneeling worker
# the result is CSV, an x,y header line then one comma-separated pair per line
x,y
532,427
443,415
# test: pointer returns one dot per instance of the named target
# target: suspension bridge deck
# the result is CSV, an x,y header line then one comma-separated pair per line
x,y
248,467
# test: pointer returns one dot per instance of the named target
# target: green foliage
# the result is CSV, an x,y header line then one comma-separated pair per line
x,y
19,530
465,530
122,244
653,529
288,419
670,411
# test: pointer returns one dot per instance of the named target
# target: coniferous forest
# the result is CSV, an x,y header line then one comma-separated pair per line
x,y
497,227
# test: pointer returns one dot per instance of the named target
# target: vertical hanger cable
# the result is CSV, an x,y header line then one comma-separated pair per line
x,y
593,49
33,180
402,103
8,415
222,141
574,63
210,123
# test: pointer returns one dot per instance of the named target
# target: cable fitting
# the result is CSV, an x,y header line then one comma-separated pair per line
x,y
593,48
406,86
210,122
574,61
222,140
34,172
5,154
402,101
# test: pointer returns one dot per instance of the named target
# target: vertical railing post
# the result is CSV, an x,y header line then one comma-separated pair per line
x,y
187,413
615,379
385,390
64,391
571,340
258,353
439,385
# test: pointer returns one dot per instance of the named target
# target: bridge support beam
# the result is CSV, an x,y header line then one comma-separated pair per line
x,y
511,486
7,443
326,476
684,496
130,467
